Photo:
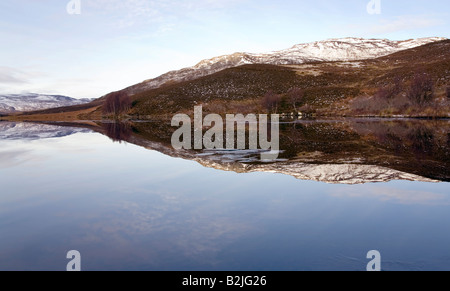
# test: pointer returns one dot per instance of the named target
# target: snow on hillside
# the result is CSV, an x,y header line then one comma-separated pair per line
x,y
28,102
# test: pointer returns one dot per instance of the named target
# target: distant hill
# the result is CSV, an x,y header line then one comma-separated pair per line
x,y
10,103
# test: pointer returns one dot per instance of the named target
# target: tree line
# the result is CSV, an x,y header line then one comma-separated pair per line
x,y
116,103
295,97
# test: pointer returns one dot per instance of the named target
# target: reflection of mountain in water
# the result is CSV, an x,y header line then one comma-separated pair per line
x,y
31,131
344,151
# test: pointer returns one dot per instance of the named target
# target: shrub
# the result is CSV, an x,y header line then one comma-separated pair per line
x,y
400,103
391,91
421,90
383,93
360,104
271,101
372,105
295,97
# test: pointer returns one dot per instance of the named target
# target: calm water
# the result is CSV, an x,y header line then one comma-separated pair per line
x,y
125,207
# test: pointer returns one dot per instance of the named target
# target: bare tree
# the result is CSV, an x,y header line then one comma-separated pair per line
x,y
448,92
295,96
116,103
271,101
421,90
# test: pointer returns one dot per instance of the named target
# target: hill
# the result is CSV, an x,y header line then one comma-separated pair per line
x,y
382,86
340,49
329,88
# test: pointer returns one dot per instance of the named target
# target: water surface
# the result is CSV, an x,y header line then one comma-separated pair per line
x,y
137,205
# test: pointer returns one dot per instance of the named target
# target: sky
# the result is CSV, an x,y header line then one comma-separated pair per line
x,y
100,46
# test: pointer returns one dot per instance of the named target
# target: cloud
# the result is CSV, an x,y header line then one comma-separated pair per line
x,y
127,13
12,76
395,195
9,159
405,22
15,80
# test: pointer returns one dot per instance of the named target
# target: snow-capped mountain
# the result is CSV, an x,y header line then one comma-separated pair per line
x,y
340,49
28,102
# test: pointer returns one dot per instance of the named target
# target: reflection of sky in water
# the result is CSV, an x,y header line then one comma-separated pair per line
x,y
124,207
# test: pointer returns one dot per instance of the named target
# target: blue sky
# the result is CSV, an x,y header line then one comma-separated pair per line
x,y
113,44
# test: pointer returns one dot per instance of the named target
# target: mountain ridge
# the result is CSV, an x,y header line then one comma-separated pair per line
x,y
335,49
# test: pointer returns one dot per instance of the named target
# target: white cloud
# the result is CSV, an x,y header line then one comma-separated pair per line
x,y
405,22
23,80
395,195
12,76
127,13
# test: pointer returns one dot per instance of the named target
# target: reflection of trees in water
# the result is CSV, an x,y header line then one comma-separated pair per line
x,y
392,141
117,131
414,146
419,138
325,137
422,141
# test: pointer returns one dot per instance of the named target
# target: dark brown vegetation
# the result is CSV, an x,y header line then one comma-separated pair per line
x,y
398,97
390,91
116,103
421,90
271,101
296,97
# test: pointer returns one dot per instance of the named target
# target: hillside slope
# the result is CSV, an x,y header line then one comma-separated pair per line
x,y
341,49
329,87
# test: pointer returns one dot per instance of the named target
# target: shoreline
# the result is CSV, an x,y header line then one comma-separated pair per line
x,y
282,120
